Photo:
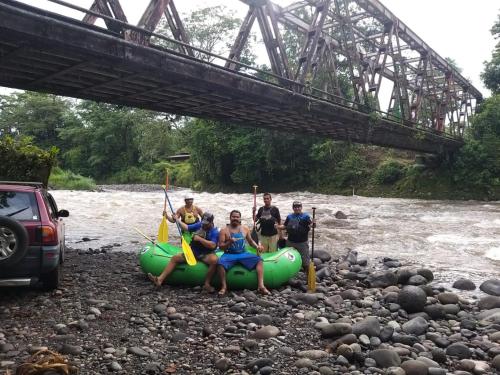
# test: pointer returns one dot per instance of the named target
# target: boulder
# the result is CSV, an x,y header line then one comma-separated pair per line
x,y
496,362
334,301
412,299
413,367
322,255
417,326
340,215
369,326
488,303
464,284
265,332
335,330
447,298
417,280
491,287
382,279
435,311
404,275
385,358
459,350
427,273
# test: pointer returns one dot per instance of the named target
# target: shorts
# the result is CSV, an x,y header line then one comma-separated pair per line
x,y
303,249
246,259
199,256
270,243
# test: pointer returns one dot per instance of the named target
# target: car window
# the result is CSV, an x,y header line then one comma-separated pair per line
x,y
19,205
52,206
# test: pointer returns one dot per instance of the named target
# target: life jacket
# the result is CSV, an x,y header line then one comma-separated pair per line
x,y
296,226
190,217
267,221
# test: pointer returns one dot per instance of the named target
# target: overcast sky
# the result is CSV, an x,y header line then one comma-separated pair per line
x,y
459,29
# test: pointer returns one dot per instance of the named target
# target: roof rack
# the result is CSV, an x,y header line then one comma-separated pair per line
x,y
34,184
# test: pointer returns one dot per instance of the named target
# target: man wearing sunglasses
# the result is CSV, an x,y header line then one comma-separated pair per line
x,y
297,225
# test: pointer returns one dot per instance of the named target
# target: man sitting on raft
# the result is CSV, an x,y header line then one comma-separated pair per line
x,y
232,241
189,213
204,242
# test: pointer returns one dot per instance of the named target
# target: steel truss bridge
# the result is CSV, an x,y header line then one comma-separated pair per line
x,y
349,50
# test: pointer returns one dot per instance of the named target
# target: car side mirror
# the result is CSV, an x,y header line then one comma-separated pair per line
x,y
63,213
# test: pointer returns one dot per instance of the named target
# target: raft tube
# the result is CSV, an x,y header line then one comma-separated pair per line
x,y
279,267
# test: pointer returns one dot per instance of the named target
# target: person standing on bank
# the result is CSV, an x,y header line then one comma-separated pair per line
x,y
298,225
188,214
267,218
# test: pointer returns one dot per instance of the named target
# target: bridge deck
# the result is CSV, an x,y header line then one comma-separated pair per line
x,y
42,51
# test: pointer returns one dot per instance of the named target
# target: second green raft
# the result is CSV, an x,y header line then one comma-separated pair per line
x,y
279,267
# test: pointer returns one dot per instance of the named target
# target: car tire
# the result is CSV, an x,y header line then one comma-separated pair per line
x,y
13,241
52,280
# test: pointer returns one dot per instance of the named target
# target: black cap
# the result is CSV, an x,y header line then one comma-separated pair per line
x,y
207,218
296,203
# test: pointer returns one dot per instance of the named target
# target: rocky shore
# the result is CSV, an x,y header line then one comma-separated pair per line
x,y
366,317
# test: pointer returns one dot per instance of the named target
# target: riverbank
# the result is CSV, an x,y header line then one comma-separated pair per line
x,y
108,318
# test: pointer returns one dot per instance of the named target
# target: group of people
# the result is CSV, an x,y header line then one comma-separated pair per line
x,y
206,238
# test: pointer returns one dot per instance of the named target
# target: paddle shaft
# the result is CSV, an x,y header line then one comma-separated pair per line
x,y
254,203
173,213
312,240
166,188
150,240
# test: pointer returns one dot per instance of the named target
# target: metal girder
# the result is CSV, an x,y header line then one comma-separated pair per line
x,y
110,8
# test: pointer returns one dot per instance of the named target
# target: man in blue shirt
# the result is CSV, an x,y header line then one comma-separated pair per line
x,y
297,225
203,242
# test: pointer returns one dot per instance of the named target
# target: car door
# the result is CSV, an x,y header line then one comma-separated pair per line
x,y
58,222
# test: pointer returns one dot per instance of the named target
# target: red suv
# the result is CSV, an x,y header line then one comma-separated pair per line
x,y
32,242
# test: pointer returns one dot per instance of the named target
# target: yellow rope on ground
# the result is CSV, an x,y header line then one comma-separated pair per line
x,y
46,360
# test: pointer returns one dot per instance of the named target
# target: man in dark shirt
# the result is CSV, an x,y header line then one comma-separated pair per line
x,y
268,217
204,240
297,225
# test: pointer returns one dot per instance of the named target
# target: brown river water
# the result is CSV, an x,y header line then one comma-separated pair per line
x,y
455,239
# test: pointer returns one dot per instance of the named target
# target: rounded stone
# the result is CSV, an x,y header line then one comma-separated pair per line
x,y
413,367
464,284
412,299
491,287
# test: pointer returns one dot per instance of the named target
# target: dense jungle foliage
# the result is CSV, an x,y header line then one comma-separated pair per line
x,y
112,144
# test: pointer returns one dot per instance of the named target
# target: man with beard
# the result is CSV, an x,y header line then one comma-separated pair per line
x,y
203,242
232,241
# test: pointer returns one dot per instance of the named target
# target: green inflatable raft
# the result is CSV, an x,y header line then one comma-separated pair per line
x,y
279,267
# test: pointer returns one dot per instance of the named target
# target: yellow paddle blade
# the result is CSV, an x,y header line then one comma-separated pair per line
x,y
188,253
163,231
311,278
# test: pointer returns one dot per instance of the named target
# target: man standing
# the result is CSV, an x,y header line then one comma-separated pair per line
x,y
232,241
267,218
297,225
203,242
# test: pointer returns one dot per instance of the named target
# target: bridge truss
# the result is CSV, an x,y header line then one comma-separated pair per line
x,y
361,74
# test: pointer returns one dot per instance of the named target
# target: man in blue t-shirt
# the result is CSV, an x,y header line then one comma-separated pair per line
x,y
204,240
297,225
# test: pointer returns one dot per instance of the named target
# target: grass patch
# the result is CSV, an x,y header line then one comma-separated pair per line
x,y
61,179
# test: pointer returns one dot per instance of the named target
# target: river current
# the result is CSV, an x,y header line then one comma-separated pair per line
x,y
455,239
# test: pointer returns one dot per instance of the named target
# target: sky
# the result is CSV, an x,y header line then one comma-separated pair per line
x,y
459,29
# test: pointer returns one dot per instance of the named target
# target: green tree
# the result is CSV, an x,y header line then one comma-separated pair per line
x,y
491,73
37,115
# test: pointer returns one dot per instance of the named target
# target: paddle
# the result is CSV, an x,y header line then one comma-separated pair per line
x,y
254,234
151,240
311,273
186,249
163,229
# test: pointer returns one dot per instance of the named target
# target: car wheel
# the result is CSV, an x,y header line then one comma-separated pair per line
x,y
13,241
52,279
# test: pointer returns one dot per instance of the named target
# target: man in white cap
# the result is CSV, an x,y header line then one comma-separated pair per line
x,y
188,214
